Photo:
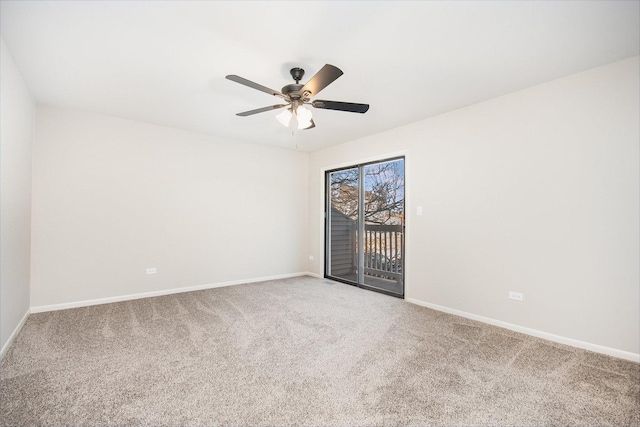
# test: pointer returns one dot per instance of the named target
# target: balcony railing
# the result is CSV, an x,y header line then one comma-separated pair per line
x,y
383,251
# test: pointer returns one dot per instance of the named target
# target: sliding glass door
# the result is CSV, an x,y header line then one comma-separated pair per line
x,y
364,235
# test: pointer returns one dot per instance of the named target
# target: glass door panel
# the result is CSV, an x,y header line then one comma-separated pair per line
x,y
384,225
342,231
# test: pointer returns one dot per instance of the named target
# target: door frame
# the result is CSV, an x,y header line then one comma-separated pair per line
x,y
326,205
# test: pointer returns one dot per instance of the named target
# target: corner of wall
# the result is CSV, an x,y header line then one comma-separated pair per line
x,y
16,146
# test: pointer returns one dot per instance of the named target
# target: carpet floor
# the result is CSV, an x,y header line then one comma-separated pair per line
x,y
300,351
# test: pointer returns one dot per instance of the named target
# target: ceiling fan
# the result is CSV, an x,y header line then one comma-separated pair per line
x,y
297,96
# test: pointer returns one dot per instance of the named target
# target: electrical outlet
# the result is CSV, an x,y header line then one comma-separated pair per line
x,y
151,271
517,296
311,257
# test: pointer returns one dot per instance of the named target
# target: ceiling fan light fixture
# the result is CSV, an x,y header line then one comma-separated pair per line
x,y
310,126
285,117
304,117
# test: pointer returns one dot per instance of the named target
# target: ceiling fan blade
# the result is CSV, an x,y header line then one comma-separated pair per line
x,y
253,85
323,78
261,110
311,126
341,106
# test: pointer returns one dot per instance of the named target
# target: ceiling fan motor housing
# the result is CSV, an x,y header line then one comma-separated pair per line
x,y
292,90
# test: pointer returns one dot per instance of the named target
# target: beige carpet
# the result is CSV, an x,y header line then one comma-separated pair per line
x,y
300,352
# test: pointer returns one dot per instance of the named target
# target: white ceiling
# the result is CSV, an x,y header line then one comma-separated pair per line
x,y
164,62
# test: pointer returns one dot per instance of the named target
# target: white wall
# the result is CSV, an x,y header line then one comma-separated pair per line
x,y
16,141
113,197
536,192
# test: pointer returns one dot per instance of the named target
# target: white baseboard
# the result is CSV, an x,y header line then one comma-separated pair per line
x,y
86,303
319,276
621,354
14,334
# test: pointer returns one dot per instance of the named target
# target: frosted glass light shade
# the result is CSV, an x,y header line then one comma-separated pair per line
x,y
285,117
304,117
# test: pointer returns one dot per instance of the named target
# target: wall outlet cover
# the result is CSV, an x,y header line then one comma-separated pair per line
x,y
516,296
